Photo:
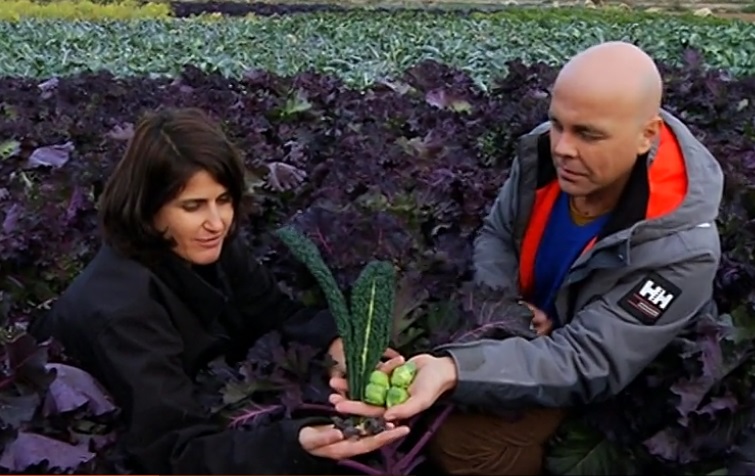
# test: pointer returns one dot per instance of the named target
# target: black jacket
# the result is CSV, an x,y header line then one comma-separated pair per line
x,y
146,333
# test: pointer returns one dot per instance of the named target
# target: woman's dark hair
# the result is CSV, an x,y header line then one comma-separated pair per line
x,y
168,147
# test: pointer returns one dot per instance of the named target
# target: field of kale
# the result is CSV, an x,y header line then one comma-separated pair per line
x,y
377,143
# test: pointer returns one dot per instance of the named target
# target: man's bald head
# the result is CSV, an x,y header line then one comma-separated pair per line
x,y
618,73
604,113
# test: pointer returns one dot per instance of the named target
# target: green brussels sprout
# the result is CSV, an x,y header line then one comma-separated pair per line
x,y
395,396
403,376
380,378
374,394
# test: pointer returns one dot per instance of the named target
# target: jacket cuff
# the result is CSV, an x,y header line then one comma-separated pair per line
x,y
467,360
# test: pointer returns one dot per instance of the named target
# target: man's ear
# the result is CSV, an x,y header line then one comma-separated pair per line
x,y
649,132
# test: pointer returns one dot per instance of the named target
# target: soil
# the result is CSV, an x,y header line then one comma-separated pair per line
x,y
738,16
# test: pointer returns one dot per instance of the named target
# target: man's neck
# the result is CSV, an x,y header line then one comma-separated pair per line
x,y
601,201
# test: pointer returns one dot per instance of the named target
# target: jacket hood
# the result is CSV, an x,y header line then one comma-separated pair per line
x,y
704,185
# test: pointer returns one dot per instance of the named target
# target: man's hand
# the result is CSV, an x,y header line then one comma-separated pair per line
x,y
540,321
338,372
326,441
435,376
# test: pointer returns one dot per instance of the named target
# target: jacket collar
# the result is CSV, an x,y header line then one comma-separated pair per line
x,y
633,201
202,288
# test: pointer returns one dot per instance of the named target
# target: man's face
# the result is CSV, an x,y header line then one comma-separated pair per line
x,y
594,140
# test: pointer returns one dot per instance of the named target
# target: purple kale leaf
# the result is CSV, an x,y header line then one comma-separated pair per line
x,y
15,410
255,414
276,380
742,459
30,450
410,301
490,314
24,362
579,449
690,403
74,389
54,156
48,410
215,382
348,238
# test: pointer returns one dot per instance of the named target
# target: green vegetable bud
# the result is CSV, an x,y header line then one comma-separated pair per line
x,y
403,376
395,396
380,378
375,394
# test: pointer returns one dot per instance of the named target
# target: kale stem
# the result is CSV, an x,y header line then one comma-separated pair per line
x,y
412,454
413,464
356,465
388,452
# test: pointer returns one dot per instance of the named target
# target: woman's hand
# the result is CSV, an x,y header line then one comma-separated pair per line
x,y
326,441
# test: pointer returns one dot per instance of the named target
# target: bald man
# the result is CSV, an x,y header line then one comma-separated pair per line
x,y
605,228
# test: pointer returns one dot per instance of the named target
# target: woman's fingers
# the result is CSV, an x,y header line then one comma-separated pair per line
x,y
348,448
339,384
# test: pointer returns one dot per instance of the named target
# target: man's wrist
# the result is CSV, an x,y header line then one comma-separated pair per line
x,y
449,372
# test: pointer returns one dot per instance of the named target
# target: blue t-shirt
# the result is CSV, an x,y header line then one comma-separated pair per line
x,y
561,244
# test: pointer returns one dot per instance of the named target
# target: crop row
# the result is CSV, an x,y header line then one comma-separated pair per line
x,y
357,46
130,9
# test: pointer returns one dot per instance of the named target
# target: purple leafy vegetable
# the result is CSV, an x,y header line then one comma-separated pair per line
x,y
32,450
73,389
402,171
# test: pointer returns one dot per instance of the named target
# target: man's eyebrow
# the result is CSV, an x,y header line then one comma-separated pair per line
x,y
589,128
592,129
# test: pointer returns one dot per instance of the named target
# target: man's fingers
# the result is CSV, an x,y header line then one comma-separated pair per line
x,y
389,365
539,318
412,406
352,407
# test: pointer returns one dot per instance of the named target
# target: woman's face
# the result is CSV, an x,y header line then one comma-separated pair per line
x,y
198,219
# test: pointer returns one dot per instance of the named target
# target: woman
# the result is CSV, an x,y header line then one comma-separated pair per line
x,y
171,289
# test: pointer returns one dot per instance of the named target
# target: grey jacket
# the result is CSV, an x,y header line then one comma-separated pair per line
x,y
621,303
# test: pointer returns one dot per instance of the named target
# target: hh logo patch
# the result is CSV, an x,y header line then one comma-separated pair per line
x,y
649,299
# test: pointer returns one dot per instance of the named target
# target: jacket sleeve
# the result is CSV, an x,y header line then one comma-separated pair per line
x,y
169,432
496,261
265,307
593,357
